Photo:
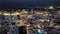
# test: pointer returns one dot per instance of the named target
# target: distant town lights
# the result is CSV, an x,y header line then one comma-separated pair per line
x,y
6,14
42,20
28,25
51,7
17,13
48,20
26,12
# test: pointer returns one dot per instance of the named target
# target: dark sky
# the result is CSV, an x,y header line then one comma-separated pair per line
x,y
27,3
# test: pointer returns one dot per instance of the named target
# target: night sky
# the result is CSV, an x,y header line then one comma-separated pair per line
x,y
27,3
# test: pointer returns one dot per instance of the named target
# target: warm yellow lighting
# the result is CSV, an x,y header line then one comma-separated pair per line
x,y
28,25
29,16
38,26
17,13
48,20
45,15
6,14
20,23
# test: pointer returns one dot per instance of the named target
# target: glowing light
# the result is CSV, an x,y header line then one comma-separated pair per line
x,y
20,23
38,26
28,25
45,15
29,16
48,20
51,7
6,14
42,20
17,13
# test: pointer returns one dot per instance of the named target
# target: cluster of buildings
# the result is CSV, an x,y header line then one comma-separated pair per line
x,y
10,21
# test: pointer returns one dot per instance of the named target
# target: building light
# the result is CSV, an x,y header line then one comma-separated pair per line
x,y
48,20
51,7
42,20
28,25
17,13
6,14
